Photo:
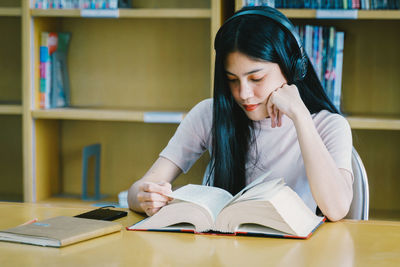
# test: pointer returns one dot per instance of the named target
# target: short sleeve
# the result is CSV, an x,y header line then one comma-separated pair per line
x,y
335,132
192,137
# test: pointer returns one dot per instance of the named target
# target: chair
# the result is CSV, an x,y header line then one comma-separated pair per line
x,y
360,204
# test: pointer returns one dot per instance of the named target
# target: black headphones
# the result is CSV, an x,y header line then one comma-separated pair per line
x,y
300,64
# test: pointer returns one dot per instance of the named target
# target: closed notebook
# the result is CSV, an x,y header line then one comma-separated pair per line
x,y
59,231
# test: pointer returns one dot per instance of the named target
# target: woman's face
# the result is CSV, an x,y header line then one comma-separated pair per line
x,y
251,83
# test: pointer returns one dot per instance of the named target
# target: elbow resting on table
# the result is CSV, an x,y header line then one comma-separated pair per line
x,y
338,212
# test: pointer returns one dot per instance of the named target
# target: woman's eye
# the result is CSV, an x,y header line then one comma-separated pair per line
x,y
256,79
231,80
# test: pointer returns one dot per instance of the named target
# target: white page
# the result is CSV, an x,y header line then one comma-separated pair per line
x,y
264,190
211,198
256,182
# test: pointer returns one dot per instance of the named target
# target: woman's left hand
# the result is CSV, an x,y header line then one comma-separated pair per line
x,y
285,100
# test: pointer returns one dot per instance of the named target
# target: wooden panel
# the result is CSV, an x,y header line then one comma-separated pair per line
x,y
11,3
27,95
371,65
380,153
11,109
171,4
10,60
158,63
89,114
10,11
47,155
128,151
130,13
11,158
374,123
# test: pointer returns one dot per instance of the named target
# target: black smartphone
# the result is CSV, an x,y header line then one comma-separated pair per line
x,y
103,214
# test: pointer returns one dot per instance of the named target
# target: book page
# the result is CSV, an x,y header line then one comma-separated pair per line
x,y
263,191
211,198
251,185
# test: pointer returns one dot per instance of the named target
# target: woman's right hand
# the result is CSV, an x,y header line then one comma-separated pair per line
x,y
152,196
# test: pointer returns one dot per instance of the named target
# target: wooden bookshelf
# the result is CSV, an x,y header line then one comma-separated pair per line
x,y
99,114
151,58
130,13
360,14
159,57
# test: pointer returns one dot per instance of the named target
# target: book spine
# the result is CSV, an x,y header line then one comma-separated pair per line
x,y
60,81
329,74
320,52
338,69
45,75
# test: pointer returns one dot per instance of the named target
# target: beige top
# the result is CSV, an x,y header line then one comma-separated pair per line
x,y
277,149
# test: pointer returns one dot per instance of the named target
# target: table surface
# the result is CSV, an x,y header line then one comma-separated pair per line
x,y
344,243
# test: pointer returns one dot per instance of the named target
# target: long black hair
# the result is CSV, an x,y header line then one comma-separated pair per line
x,y
262,39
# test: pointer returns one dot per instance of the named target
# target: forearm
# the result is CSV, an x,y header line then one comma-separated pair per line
x,y
331,190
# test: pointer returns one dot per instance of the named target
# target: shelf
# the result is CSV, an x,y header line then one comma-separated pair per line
x,y
130,13
108,115
379,14
361,14
11,109
389,215
371,123
299,13
10,12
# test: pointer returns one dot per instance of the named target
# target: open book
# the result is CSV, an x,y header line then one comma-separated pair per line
x,y
264,207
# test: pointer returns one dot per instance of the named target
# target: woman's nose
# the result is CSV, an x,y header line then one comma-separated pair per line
x,y
245,91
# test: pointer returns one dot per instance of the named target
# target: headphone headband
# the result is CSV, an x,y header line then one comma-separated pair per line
x,y
269,12
263,12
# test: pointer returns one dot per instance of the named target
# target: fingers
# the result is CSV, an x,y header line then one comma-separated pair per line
x,y
152,196
163,188
279,118
270,109
273,111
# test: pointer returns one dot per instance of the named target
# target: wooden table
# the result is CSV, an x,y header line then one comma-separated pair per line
x,y
346,243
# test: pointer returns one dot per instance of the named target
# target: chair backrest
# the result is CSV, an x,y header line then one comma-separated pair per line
x,y
360,205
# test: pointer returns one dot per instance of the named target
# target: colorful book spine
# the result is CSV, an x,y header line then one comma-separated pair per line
x,y
83,4
59,71
47,46
338,69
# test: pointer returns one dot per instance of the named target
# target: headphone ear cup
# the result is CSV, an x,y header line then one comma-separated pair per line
x,y
300,68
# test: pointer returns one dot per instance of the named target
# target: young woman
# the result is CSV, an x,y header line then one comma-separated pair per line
x,y
269,113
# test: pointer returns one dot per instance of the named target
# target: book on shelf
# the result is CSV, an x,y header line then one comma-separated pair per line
x,y
81,4
54,79
338,69
48,44
329,4
59,231
265,207
324,47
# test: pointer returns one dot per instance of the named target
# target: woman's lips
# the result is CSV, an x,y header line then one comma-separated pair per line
x,y
250,107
